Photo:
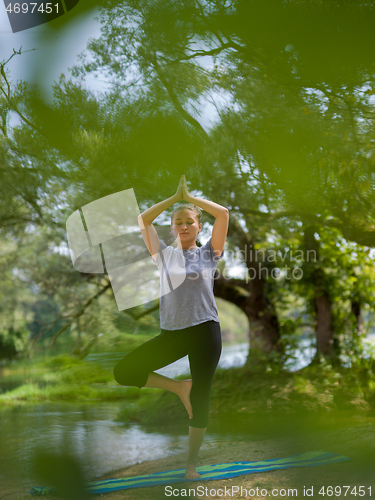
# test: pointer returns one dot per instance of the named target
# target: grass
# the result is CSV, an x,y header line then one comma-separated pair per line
x,y
64,378
239,390
245,391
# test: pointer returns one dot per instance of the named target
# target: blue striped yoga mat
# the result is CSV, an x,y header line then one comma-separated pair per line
x,y
208,472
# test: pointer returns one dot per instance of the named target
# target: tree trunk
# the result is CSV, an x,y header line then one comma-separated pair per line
x,y
356,311
251,297
264,328
322,302
324,332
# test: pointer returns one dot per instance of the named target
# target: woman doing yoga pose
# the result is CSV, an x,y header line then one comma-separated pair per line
x,y
188,313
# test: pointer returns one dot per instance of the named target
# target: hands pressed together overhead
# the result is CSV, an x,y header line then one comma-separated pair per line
x,y
182,192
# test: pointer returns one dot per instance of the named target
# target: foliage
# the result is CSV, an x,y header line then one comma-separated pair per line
x,y
252,390
64,378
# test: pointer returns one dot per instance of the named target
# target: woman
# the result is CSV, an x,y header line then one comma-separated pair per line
x,y
188,313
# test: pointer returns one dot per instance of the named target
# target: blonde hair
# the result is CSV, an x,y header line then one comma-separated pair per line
x,y
187,206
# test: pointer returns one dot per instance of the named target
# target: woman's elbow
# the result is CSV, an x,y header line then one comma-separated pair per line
x,y
142,221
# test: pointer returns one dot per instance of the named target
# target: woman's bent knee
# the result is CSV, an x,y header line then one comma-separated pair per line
x,y
125,374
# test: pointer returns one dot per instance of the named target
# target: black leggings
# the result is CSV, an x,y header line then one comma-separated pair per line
x,y
203,345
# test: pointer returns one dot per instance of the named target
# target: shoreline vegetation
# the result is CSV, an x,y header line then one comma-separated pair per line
x,y
354,441
249,389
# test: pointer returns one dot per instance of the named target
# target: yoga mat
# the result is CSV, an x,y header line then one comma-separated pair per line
x,y
208,472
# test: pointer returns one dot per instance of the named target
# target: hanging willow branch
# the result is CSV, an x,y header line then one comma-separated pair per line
x,y
7,94
79,314
143,313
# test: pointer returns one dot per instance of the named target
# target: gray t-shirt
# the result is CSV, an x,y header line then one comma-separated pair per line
x,y
186,286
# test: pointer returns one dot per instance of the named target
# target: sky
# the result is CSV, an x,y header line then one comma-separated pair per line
x,y
48,52
54,51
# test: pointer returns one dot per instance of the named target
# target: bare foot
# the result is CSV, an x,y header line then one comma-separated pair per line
x,y
184,393
191,473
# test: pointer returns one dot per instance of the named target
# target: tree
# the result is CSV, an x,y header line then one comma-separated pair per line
x,y
281,129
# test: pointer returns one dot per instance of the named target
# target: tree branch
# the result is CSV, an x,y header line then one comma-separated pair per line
x,y
202,53
143,313
79,314
7,95
176,102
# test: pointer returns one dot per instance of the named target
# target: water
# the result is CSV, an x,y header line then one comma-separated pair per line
x,y
91,433
87,431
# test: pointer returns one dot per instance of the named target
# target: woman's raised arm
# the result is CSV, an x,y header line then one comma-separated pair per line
x,y
221,214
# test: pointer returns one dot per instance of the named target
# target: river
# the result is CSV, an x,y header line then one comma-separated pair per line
x,y
90,431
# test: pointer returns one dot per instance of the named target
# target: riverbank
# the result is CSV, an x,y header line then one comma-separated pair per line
x,y
255,414
59,379
354,440
64,378
247,389
254,390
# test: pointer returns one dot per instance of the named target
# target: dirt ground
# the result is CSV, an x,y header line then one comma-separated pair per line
x,y
355,441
